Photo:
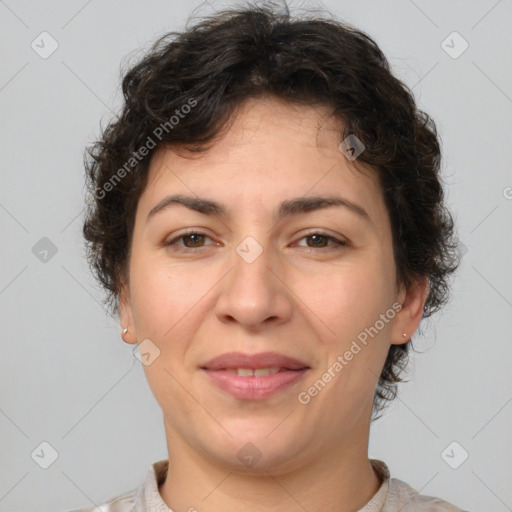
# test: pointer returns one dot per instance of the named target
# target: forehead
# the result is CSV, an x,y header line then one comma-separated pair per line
x,y
270,150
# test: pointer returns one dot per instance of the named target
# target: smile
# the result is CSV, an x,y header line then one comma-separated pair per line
x,y
254,384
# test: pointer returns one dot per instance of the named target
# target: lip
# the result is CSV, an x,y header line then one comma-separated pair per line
x,y
231,360
254,388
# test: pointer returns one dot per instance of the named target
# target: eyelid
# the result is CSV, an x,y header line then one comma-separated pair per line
x,y
327,234
338,241
190,231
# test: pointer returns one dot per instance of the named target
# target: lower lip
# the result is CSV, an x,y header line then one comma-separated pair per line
x,y
254,388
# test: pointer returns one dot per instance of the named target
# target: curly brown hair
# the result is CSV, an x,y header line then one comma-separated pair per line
x,y
245,53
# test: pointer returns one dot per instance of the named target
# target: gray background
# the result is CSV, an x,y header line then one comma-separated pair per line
x,y
67,378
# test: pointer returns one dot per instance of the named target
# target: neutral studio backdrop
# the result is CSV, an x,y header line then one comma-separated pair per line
x,y
68,381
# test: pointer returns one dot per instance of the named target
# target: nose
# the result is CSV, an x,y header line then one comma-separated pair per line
x,y
255,293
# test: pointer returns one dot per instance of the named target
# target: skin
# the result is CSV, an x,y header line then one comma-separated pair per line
x,y
302,297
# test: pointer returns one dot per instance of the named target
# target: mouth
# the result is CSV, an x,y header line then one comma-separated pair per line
x,y
272,361
257,372
254,377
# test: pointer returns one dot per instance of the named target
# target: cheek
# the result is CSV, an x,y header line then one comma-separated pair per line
x,y
163,306
349,297
163,295
362,322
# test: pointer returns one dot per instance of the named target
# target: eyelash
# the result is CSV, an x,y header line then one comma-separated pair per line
x,y
337,242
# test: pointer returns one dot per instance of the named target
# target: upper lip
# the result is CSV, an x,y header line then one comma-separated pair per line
x,y
233,360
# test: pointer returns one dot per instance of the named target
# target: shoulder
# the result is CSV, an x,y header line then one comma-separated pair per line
x,y
144,498
123,503
401,496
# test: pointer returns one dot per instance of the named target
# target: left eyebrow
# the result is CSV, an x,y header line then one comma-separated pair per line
x,y
287,208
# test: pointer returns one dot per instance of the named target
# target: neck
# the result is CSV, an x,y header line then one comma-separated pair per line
x,y
339,480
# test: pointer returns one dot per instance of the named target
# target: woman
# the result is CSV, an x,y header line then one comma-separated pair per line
x,y
268,222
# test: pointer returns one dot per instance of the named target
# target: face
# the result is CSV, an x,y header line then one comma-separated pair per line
x,y
310,284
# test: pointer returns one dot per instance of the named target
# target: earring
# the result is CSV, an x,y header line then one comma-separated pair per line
x,y
125,331
404,334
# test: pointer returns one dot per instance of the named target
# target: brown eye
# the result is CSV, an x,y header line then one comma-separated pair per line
x,y
195,241
194,237
321,240
318,239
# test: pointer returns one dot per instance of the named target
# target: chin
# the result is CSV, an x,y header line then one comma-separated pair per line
x,y
257,453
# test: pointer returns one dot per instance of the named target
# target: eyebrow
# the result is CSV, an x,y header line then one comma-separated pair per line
x,y
287,208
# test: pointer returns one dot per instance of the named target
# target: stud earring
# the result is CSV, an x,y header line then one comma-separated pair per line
x,y
126,330
404,334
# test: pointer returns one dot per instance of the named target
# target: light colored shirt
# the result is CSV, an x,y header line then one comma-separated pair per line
x,y
393,495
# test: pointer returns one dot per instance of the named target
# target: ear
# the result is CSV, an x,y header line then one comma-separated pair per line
x,y
408,318
126,316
